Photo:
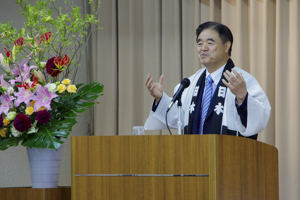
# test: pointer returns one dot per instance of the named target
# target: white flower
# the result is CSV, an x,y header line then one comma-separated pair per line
x,y
33,128
28,81
43,64
11,115
10,90
51,87
14,131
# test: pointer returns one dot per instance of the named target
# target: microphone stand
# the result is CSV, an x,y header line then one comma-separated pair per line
x,y
179,123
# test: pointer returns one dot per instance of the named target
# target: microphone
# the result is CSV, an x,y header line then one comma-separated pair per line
x,y
184,84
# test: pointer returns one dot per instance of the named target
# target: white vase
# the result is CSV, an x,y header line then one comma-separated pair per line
x,y
44,166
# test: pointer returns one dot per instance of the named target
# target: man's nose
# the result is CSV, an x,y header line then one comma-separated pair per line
x,y
204,46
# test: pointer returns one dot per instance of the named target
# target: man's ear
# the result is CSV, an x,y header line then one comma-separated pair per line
x,y
227,46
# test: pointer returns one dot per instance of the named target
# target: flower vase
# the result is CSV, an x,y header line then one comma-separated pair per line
x,y
44,166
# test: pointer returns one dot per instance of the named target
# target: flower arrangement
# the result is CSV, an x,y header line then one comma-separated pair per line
x,y
39,101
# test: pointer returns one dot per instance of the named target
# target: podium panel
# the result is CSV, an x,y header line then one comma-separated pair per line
x,y
173,167
141,188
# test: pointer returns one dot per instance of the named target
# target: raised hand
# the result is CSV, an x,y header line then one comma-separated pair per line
x,y
155,89
236,84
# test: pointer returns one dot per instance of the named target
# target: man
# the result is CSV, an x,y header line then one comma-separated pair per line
x,y
221,98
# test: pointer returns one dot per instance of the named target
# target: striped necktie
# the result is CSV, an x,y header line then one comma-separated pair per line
x,y
207,98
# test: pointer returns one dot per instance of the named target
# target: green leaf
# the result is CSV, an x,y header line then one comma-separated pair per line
x,y
93,87
9,142
69,114
89,97
79,110
85,104
44,139
47,135
75,95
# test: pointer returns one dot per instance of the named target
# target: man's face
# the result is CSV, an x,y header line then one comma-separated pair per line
x,y
212,53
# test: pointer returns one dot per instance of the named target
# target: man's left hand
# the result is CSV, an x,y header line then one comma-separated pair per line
x,y
236,84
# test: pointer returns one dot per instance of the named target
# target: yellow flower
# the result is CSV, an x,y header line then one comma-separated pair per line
x,y
72,88
42,108
29,110
61,88
66,81
6,121
32,103
2,132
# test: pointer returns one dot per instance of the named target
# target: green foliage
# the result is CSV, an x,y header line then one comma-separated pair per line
x,y
67,31
62,121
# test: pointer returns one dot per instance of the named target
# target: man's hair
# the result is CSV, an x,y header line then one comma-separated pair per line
x,y
224,32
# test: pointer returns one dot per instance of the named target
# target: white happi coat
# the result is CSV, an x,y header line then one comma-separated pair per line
x,y
258,108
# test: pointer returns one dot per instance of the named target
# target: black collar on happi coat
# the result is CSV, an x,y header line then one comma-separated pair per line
x,y
215,111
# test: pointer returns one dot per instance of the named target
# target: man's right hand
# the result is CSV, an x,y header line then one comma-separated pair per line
x,y
155,89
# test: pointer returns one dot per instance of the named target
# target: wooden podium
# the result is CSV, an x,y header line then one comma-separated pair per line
x,y
206,167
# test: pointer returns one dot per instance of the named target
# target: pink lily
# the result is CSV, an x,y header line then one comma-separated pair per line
x,y
23,96
43,98
22,72
6,103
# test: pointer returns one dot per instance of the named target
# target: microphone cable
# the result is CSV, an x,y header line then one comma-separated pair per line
x,y
167,121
